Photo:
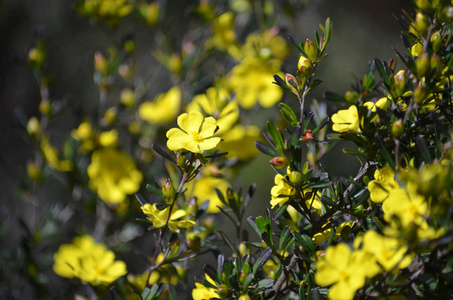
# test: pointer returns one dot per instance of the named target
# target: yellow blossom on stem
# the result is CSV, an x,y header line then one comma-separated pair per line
x,y
90,261
113,175
383,183
346,120
159,217
341,268
389,252
163,109
201,292
252,79
51,155
195,133
215,102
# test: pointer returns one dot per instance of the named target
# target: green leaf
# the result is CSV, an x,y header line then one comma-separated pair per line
x,y
288,114
264,284
423,149
329,29
162,153
268,150
284,237
305,241
156,191
275,135
172,292
253,225
262,224
326,200
331,96
320,185
302,293
267,239
247,281
263,257
314,84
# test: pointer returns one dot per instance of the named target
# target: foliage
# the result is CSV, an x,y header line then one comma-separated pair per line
x,y
386,232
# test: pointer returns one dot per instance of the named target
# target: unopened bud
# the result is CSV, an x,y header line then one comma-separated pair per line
x,y
424,5
127,97
436,41
168,192
244,297
223,291
421,23
242,276
400,83
279,162
295,178
100,63
311,50
351,97
44,107
419,94
303,64
292,84
175,63
397,128
307,136
436,63
33,127
422,64
36,57
129,46
181,161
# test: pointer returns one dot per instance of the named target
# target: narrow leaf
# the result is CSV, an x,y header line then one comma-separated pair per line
x,y
275,135
268,150
156,191
162,153
263,257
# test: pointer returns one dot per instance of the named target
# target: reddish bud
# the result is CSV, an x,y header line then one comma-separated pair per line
x,y
292,83
279,162
311,50
303,64
308,135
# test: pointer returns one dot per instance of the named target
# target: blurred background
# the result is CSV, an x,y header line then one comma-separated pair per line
x,y
363,30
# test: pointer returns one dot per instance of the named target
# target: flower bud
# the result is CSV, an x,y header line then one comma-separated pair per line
x,y
223,291
127,97
168,192
436,63
129,46
311,50
44,107
351,97
303,64
295,178
100,63
33,127
307,136
175,64
422,64
150,12
33,171
419,94
242,276
193,241
400,83
397,128
424,5
279,162
244,297
436,41
36,57
292,84
181,161
421,23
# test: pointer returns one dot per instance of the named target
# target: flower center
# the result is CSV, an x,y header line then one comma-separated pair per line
x,y
196,136
344,275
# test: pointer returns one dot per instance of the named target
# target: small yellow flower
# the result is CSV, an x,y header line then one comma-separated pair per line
x,y
216,103
91,262
383,183
108,138
113,175
163,109
346,120
159,217
341,268
388,252
195,133
252,79
201,292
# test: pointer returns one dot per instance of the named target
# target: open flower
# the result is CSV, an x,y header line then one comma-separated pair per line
x,y
346,120
91,262
159,217
163,109
342,269
195,135
383,183
113,175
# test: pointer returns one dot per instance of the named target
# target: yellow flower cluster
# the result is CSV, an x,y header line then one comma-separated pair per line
x,y
89,261
163,109
159,217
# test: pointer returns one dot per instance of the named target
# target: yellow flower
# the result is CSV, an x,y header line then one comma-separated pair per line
x,y
215,102
251,81
417,50
265,45
108,138
159,217
51,155
389,252
195,135
223,35
201,292
282,191
91,262
163,109
341,268
323,236
239,142
204,189
113,175
346,120
381,103
383,183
